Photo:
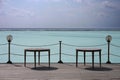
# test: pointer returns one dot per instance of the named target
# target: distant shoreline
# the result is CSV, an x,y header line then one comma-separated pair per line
x,y
59,29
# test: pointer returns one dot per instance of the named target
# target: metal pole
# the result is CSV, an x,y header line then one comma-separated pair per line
x,y
9,62
60,61
108,62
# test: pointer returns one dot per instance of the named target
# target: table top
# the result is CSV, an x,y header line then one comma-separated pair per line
x,y
88,49
37,49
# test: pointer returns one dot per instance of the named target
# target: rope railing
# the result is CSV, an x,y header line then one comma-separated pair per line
x,y
82,55
34,46
4,54
115,55
83,46
115,45
60,50
60,44
31,55
3,44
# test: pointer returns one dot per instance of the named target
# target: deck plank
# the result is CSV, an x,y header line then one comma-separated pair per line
x,y
59,72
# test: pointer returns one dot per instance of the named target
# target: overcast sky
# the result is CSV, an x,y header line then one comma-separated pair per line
x,y
59,13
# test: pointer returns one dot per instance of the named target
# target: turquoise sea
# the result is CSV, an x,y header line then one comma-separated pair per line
x,y
50,39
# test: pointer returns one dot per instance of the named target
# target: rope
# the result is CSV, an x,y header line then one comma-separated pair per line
x,y
32,55
83,46
3,44
4,54
70,54
115,45
81,55
115,55
34,46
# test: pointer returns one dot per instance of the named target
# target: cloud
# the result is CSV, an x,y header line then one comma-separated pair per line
x,y
56,0
111,4
78,1
0,3
33,0
44,0
12,10
57,12
19,12
108,4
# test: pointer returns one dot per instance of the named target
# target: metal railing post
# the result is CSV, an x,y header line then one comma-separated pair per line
x,y
108,62
60,61
9,39
9,61
108,39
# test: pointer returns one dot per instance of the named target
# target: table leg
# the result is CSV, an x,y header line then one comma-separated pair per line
x,y
39,58
93,59
76,58
84,58
100,57
35,59
25,58
49,58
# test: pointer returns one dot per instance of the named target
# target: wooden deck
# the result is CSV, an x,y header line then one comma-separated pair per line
x,y
59,72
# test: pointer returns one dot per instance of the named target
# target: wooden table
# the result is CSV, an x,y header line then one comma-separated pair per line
x,y
84,50
36,50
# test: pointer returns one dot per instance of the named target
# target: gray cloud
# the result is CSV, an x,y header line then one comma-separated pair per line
x,y
65,13
0,3
111,5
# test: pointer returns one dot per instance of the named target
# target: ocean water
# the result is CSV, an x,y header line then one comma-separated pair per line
x,y
50,39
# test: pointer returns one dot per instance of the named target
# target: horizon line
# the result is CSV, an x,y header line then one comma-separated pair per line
x,y
60,29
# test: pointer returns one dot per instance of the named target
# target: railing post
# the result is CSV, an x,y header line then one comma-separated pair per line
x,y
9,39
60,61
108,39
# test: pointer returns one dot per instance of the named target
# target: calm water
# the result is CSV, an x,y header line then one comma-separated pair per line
x,y
70,41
